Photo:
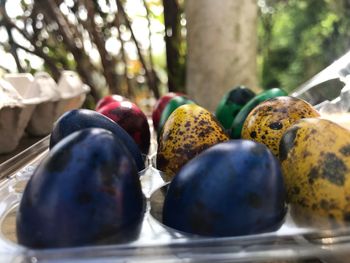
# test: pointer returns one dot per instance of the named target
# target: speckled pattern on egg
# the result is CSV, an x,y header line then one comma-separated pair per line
x,y
315,159
189,130
267,122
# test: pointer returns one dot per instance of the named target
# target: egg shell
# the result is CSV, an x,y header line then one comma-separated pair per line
x,y
131,118
232,188
238,121
189,130
267,122
86,190
231,103
109,99
160,105
172,105
78,119
315,159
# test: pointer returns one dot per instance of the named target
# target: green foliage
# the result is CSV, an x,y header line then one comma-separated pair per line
x,y
298,38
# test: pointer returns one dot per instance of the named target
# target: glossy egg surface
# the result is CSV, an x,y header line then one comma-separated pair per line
x,y
131,118
172,105
231,103
315,159
238,121
233,188
108,99
160,105
76,120
267,122
85,191
189,130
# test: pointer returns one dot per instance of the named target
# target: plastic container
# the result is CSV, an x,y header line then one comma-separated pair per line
x,y
159,243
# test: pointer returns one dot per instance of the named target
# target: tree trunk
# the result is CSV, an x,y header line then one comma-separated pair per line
x,y
222,39
173,40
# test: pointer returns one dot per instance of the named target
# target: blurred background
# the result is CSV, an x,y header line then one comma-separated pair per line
x,y
142,49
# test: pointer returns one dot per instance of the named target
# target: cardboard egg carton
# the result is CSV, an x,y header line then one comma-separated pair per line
x,y
32,103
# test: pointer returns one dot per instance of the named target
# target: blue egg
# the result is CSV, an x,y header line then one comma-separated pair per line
x,y
85,192
78,119
232,188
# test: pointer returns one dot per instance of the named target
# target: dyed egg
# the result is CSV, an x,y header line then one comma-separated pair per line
x,y
132,120
160,105
267,122
84,192
109,99
189,130
315,159
79,119
237,124
231,103
172,105
232,188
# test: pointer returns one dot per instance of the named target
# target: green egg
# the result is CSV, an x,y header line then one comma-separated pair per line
x,y
231,103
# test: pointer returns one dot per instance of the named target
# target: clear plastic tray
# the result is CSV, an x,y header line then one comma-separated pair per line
x,y
156,242
159,243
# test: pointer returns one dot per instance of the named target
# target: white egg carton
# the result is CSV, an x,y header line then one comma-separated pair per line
x,y
33,103
157,242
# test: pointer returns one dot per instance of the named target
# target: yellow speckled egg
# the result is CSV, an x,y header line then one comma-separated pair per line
x,y
189,130
267,122
315,159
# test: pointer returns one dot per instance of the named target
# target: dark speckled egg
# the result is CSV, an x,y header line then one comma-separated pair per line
x,y
172,105
267,122
189,130
315,159
232,188
160,106
86,191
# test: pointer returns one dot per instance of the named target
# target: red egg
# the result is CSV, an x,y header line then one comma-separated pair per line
x,y
160,105
131,118
109,99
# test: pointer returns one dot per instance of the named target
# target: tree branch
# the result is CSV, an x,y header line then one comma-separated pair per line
x,y
14,49
49,62
11,40
117,24
83,64
37,50
52,11
108,63
151,76
4,69
150,52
